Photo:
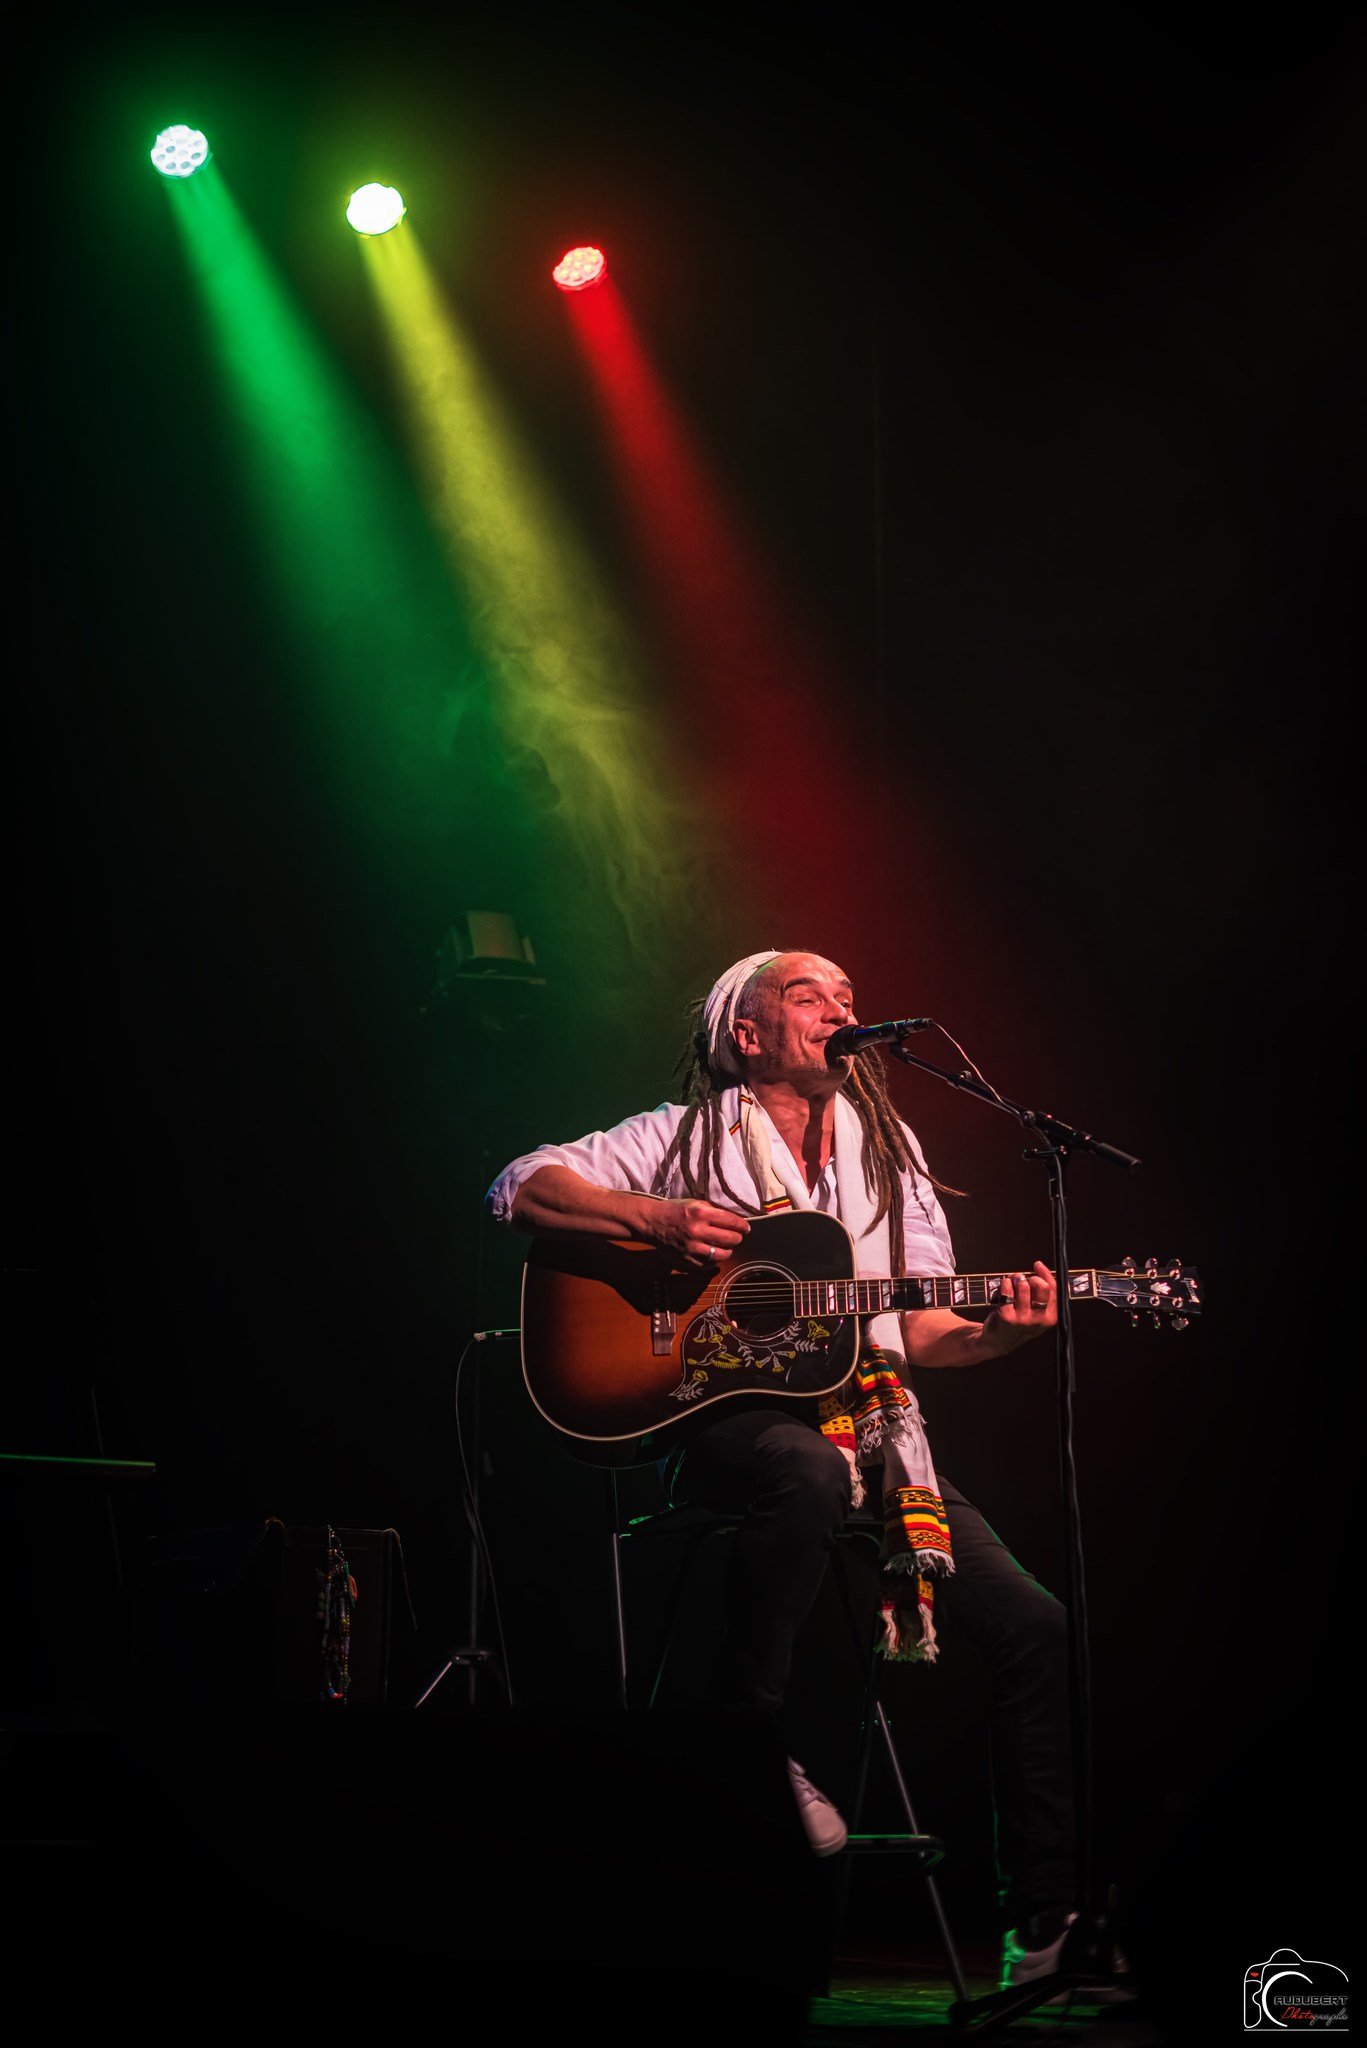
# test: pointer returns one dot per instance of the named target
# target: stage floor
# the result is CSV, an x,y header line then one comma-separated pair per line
x,y
881,1991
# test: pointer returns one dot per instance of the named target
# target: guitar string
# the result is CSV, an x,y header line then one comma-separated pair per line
x,y
941,1292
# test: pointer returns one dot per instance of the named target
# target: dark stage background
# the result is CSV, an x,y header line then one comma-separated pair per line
x,y
1031,354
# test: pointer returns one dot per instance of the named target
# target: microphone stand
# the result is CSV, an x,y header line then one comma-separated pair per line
x,y
1086,1955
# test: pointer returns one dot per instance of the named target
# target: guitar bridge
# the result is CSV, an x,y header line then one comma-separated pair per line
x,y
663,1326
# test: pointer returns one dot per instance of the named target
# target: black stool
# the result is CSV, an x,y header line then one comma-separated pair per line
x,y
694,1526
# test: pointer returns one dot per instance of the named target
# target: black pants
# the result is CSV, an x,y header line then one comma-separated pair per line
x,y
793,1488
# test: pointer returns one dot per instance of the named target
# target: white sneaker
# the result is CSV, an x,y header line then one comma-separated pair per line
x,y
1022,1965
826,1831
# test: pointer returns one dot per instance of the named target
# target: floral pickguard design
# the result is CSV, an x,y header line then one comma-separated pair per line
x,y
712,1343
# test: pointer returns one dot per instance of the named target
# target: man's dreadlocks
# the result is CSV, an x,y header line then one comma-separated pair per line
x,y
697,1143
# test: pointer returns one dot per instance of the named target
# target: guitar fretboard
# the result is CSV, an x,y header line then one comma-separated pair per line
x,y
952,1290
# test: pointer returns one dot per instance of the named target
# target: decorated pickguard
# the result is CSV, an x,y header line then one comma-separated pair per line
x,y
714,1347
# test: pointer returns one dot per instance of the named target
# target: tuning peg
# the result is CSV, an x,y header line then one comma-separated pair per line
x,y
1179,1322
1127,1264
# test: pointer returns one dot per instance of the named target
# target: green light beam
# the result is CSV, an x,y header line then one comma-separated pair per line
x,y
374,628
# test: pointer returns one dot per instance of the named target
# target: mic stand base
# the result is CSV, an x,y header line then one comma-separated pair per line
x,y
1086,1966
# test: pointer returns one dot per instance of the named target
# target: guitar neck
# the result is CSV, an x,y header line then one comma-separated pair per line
x,y
952,1290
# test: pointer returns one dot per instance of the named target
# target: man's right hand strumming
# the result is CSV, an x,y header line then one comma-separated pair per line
x,y
556,1199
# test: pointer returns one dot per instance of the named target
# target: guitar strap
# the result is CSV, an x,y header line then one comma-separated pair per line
x,y
872,1418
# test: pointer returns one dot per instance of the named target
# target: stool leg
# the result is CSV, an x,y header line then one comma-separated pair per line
x,y
845,1863
874,1719
693,1540
695,1544
937,1904
618,1606
869,1661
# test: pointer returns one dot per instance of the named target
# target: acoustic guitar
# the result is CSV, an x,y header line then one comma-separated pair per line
x,y
620,1342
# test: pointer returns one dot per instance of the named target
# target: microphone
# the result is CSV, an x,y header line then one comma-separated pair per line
x,y
859,1037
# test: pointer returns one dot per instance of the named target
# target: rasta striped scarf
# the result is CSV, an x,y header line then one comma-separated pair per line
x,y
874,1420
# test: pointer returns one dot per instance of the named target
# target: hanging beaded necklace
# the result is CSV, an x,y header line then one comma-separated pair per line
x,y
336,1601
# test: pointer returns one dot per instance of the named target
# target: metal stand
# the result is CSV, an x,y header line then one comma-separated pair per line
x,y
487,987
1087,1954
474,1657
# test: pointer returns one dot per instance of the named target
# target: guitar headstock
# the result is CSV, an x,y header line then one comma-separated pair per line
x,y
1171,1291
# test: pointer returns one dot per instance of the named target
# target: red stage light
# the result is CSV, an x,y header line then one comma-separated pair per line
x,y
579,268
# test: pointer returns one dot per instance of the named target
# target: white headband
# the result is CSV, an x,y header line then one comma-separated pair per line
x,y
719,1012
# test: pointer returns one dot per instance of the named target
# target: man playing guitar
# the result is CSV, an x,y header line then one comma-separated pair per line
x,y
771,1125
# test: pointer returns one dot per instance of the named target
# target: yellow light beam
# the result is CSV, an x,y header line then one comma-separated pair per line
x,y
566,677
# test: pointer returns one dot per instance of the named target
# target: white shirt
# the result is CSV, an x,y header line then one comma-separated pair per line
x,y
629,1157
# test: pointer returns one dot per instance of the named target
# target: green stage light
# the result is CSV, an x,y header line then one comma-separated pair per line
x,y
179,152
375,209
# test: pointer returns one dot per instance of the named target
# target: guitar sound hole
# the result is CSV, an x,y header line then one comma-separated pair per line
x,y
759,1301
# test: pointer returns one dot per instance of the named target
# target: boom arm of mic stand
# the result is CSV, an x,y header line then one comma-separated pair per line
x,y
1066,1137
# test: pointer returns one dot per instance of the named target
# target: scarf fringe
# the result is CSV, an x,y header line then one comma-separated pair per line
x,y
909,1629
924,1563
